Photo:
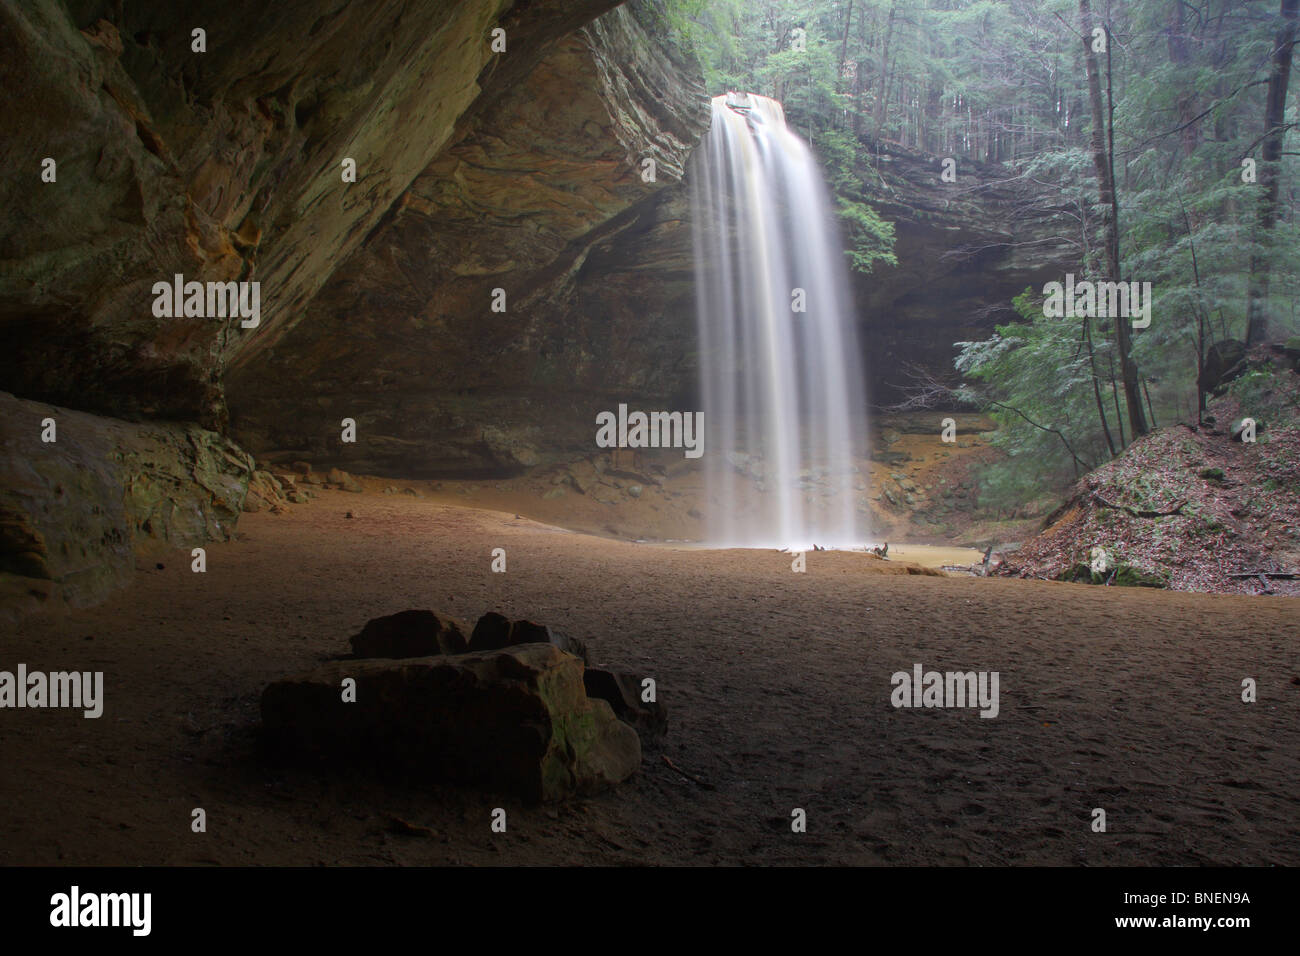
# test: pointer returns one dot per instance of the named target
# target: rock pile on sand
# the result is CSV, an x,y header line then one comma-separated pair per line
x,y
511,707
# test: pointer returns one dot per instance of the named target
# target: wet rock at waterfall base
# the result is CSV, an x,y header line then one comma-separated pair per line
x,y
409,634
517,720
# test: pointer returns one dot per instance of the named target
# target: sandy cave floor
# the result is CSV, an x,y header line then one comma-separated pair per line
x,y
777,686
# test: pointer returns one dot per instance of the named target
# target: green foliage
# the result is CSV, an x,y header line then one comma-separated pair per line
x,y
1035,379
871,239
707,28
1261,396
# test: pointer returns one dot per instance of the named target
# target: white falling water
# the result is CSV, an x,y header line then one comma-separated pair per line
x,y
783,395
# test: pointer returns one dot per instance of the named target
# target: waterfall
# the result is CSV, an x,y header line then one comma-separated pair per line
x,y
782,390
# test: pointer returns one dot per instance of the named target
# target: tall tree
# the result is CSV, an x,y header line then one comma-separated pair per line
x,y
1270,173
1102,161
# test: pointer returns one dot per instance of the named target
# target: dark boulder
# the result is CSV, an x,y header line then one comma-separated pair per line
x,y
518,720
1289,352
491,633
494,631
526,632
623,692
341,479
409,634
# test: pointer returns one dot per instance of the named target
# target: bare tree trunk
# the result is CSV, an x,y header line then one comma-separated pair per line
x,y
1110,215
1201,320
1269,173
1180,56
1114,393
858,88
1151,409
1096,386
867,32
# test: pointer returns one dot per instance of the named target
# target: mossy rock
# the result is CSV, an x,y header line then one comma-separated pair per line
x,y
1081,574
1128,576
1212,474
1125,575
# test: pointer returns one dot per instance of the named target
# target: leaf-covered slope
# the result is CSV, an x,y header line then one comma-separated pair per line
x,y
1187,507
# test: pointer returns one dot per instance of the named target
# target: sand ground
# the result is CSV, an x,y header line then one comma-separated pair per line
x,y
778,689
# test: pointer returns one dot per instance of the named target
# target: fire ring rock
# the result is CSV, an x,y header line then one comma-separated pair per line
x,y
409,634
495,631
517,719
622,691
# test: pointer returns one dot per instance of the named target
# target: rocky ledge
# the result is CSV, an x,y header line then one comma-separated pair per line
x,y
83,498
